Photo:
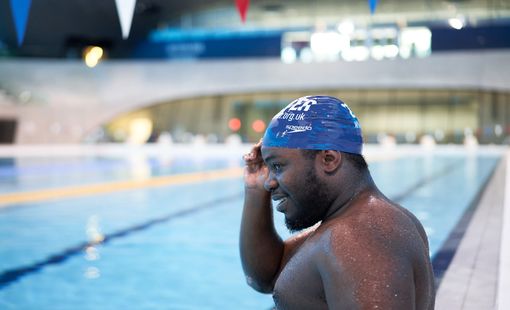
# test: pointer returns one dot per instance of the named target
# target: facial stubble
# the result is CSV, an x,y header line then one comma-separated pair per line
x,y
312,203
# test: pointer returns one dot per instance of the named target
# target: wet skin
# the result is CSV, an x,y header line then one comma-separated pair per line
x,y
367,253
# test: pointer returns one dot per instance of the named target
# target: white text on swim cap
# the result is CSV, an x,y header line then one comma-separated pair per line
x,y
296,105
302,104
291,116
347,108
294,128
356,123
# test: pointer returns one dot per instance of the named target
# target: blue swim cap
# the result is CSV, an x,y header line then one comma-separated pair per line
x,y
315,123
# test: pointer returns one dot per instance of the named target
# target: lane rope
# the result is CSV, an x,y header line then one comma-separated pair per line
x,y
108,187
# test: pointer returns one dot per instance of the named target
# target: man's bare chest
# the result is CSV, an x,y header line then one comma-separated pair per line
x,y
299,284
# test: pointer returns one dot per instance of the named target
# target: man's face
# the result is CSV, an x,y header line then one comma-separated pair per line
x,y
295,186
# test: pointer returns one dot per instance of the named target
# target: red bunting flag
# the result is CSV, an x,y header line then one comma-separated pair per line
x,y
242,7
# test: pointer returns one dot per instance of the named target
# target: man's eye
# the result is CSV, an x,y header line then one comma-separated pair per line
x,y
277,167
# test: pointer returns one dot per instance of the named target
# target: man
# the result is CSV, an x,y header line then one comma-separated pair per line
x,y
360,251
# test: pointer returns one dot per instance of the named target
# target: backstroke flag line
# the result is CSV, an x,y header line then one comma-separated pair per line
x,y
372,4
20,10
125,9
242,7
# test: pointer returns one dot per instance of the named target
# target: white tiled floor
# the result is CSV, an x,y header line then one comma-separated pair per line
x,y
471,281
504,255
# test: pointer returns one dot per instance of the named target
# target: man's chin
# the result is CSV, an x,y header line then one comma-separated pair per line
x,y
295,225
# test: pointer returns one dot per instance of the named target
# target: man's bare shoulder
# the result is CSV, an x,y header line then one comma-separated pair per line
x,y
372,250
374,226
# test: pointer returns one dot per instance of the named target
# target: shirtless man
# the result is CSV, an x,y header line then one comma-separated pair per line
x,y
359,249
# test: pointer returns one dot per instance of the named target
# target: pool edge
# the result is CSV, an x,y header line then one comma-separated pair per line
x,y
471,279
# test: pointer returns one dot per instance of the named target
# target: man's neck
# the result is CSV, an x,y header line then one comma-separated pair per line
x,y
351,193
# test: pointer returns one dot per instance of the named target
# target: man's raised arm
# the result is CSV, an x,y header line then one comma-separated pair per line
x,y
261,247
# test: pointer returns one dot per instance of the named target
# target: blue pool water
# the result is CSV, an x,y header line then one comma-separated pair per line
x,y
42,173
175,247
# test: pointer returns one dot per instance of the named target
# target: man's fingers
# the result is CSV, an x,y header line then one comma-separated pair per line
x,y
253,159
254,165
254,155
252,168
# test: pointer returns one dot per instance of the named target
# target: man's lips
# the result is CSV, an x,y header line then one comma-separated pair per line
x,y
281,200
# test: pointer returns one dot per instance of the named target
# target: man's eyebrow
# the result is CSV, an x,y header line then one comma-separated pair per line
x,y
269,158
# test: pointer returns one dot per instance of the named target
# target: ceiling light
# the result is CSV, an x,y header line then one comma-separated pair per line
x,y
288,55
92,56
346,27
456,23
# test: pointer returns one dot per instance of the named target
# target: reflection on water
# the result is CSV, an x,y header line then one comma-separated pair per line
x,y
95,237
92,273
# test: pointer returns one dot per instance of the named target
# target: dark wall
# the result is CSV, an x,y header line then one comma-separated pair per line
x,y
204,48
7,131
471,38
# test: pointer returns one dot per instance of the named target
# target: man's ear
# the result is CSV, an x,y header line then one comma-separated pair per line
x,y
330,160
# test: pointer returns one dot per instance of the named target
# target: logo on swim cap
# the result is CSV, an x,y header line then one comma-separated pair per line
x,y
315,123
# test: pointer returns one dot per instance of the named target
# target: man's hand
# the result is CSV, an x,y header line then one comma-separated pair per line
x,y
255,171
260,246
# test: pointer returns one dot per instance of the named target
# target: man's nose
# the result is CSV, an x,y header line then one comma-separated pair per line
x,y
270,183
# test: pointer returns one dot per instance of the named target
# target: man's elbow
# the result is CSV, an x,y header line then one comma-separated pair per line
x,y
260,286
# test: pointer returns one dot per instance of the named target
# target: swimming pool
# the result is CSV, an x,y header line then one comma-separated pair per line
x,y
176,246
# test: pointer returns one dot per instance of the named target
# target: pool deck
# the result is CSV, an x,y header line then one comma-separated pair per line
x,y
479,267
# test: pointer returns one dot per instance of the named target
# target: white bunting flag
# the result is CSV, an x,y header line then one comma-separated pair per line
x,y
126,9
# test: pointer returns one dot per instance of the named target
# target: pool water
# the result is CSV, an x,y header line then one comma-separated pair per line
x,y
176,247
